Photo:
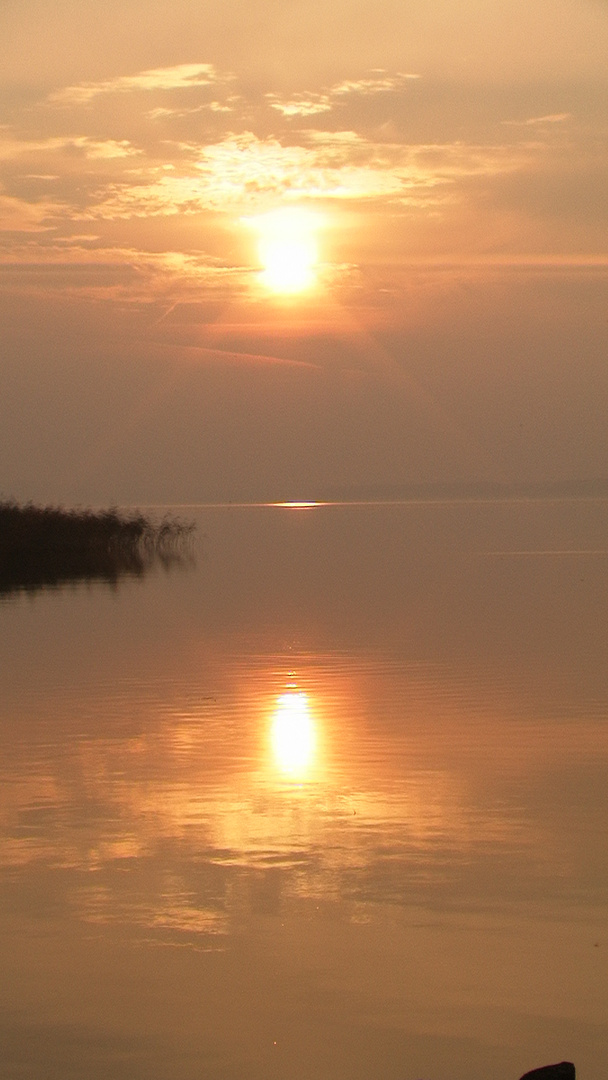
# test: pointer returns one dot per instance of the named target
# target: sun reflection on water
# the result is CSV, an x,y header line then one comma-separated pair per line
x,y
293,735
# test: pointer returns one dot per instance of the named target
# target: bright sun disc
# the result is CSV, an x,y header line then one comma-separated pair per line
x,y
287,249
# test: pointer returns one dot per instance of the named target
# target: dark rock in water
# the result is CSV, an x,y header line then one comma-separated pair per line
x,y
564,1071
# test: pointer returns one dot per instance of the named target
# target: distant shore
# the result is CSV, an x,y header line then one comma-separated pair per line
x,y
48,545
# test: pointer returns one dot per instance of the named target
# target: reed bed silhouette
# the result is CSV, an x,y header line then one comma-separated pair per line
x,y
47,545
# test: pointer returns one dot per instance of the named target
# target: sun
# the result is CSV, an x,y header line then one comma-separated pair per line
x,y
287,249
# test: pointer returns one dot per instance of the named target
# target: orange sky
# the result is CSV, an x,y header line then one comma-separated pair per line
x,y
445,165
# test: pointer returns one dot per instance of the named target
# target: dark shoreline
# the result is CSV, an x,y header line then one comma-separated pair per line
x,y
47,545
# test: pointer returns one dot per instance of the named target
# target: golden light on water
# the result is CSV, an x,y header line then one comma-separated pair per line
x,y
293,735
287,249
305,505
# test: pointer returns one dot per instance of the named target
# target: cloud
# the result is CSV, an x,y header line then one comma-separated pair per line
x,y
334,138
19,216
100,149
164,113
242,174
180,77
310,104
379,82
173,156
301,104
69,266
77,239
552,118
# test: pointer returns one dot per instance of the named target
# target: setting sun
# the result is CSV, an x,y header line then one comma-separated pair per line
x,y
287,249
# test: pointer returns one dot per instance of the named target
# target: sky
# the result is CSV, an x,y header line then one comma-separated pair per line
x,y
273,250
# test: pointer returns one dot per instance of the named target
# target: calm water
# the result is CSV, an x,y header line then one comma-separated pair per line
x,y
331,805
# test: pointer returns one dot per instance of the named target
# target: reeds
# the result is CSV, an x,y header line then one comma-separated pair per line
x,y
47,545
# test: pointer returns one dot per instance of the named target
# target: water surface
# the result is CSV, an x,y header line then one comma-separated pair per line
x,y
331,805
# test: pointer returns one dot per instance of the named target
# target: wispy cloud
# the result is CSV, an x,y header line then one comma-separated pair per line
x,y
19,216
12,148
310,104
180,77
378,82
116,273
301,104
536,121
334,138
165,113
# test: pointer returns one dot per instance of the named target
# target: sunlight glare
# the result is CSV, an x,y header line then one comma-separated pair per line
x,y
287,249
293,735
308,505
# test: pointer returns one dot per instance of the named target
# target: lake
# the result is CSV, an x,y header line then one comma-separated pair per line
x,y
329,803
